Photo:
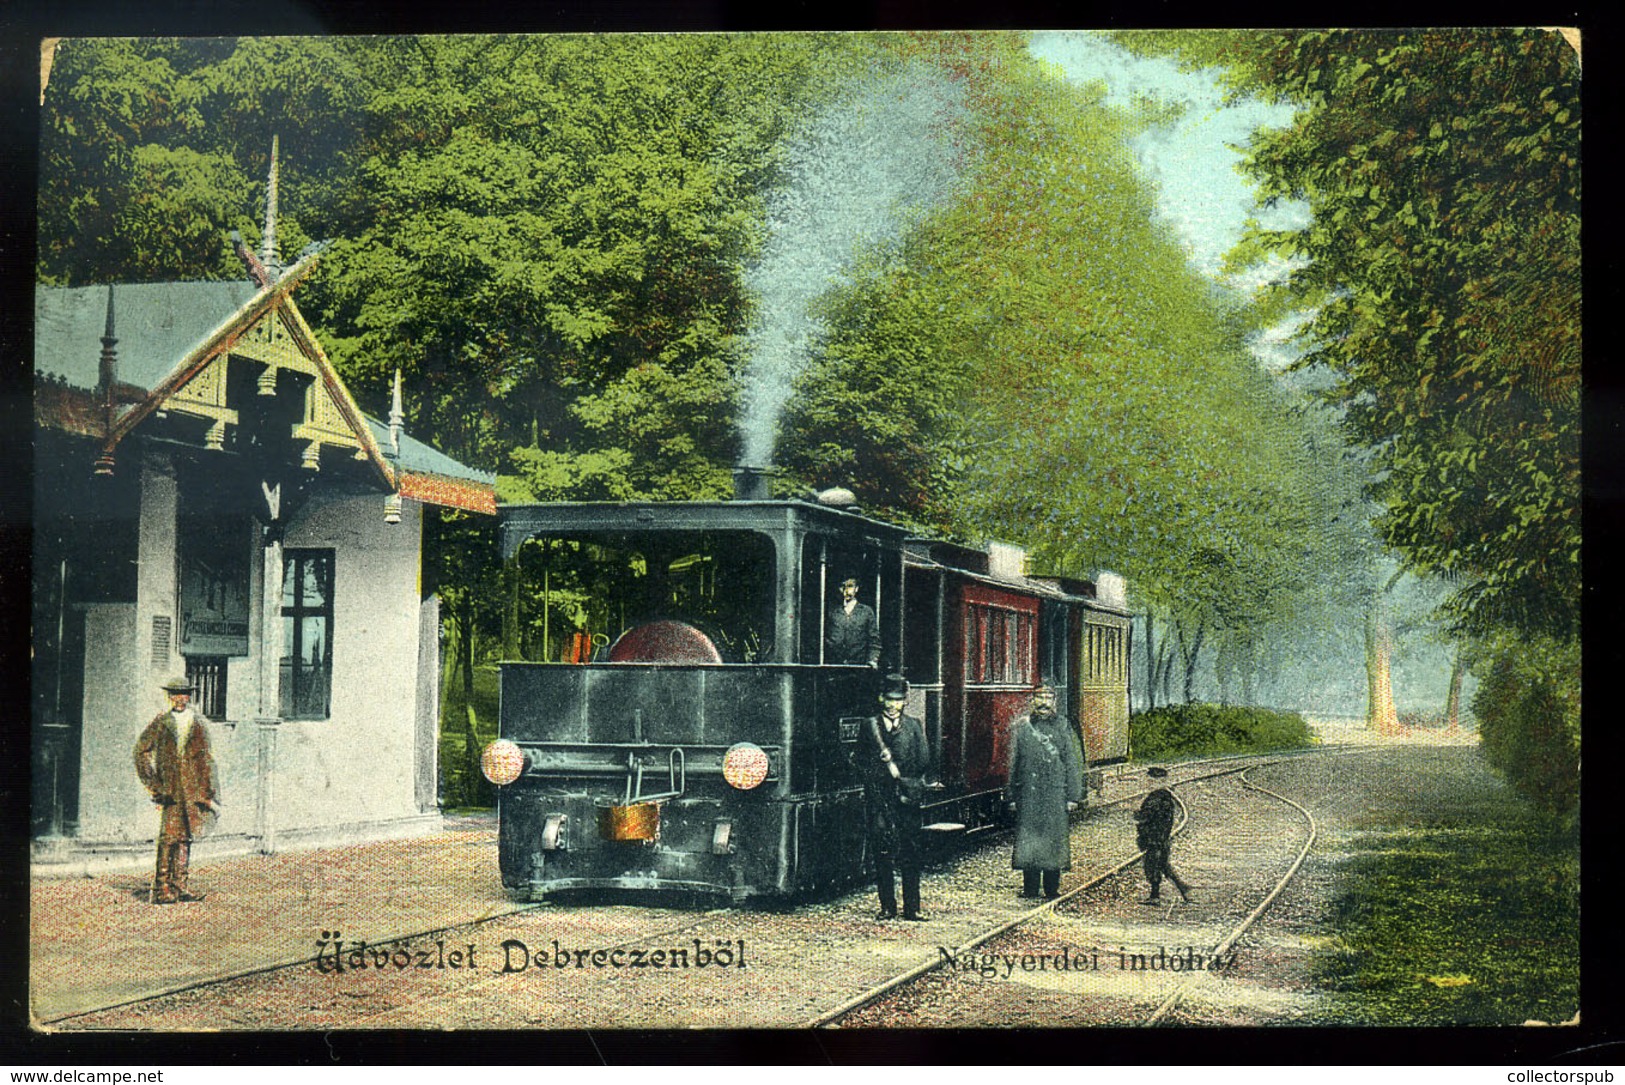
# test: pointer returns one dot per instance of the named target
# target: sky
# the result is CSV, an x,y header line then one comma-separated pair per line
x,y
1194,161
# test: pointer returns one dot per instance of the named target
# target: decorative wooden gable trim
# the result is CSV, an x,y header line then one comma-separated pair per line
x,y
268,329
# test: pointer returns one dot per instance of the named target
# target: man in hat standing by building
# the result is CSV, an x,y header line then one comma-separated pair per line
x,y
852,633
892,759
173,759
1153,833
1046,783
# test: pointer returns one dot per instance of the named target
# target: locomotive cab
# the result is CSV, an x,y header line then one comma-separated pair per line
x,y
677,721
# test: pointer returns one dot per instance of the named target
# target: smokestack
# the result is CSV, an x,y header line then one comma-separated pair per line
x,y
752,483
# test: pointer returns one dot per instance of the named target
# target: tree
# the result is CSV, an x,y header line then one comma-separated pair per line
x,y
1442,261
1442,172
1043,366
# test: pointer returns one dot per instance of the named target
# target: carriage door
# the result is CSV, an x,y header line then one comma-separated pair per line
x,y
922,655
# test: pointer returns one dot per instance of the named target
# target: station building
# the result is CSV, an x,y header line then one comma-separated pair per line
x,y
210,500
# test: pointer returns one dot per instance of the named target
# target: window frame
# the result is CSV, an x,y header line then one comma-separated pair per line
x,y
288,701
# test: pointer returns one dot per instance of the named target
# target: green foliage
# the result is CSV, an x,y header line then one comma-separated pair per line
x,y
1528,707
1443,260
1188,730
1470,918
461,783
1042,366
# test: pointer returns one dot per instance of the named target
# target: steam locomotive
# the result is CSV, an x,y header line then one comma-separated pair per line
x,y
701,740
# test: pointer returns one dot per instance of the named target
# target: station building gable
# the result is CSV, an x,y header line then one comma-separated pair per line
x,y
209,499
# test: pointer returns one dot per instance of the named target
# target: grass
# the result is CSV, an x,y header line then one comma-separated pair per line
x,y
1467,920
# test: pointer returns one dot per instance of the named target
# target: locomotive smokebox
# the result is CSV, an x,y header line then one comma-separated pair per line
x,y
753,483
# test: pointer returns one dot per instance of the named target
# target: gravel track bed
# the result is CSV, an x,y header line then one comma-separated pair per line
x,y
800,964
1236,846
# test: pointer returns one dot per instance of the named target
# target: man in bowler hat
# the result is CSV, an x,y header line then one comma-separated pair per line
x,y
892,760
172,758
1153,833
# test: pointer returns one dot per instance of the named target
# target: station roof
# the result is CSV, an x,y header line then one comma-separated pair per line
x,y
157,328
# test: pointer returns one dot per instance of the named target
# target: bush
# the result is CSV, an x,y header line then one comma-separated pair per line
x,y
1528,708
1191,729
461,784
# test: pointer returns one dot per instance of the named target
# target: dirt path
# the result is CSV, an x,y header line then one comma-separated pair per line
x,y
801,964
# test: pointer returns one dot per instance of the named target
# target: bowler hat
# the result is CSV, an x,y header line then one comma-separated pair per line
x,y
178,684
1157,771
895,688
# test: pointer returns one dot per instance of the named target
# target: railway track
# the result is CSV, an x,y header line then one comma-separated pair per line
x,y
799,961
896,984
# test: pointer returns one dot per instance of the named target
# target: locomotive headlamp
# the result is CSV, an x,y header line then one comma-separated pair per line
x,y
744,765
502,762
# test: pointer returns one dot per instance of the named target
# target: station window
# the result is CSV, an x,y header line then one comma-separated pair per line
x,y
306,681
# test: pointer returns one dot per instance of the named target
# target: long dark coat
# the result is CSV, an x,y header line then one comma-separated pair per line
x,y
1046,773
1154,820
180,781
892,804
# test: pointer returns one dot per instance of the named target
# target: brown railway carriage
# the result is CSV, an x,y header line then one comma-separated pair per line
x,y
684,729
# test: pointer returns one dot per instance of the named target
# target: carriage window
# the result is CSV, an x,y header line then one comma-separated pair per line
x,y
578,595
998,645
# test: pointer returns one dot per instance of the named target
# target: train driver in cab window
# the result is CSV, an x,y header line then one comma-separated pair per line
x,y
851,631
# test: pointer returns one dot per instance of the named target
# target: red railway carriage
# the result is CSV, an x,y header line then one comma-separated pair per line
x,y
680,723
982,636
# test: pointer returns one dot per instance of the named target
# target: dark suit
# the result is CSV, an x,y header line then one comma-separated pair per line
x,y
893,805
1154,828
852,638
181,781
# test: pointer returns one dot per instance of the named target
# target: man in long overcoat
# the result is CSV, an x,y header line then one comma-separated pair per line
x,y
173,759
1046,782
1153,832
892,759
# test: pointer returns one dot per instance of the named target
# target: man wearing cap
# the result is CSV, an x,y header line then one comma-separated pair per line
x,y
853,634
1046,783
1153,833
892,759
172,758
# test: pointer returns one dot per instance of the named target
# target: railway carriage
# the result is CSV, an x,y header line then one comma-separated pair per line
x,y
690,733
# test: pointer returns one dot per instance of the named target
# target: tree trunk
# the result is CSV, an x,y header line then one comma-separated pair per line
x,y
1191,658
1165,668
465,647
510,612
1379,712
1150,666
1452,702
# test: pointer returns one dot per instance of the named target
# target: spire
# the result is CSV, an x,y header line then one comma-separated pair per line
x,y
107,376
268,253
107,372
396,416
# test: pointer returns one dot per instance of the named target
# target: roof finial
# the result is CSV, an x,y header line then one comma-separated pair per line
x,y
268,254
397,417
108,376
